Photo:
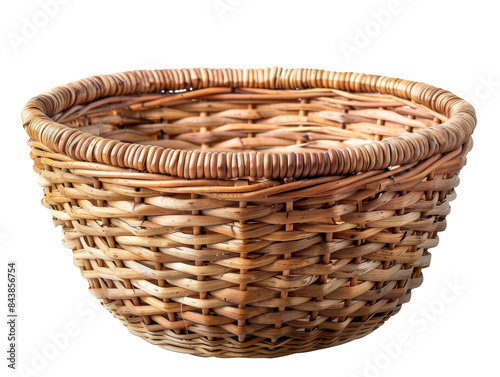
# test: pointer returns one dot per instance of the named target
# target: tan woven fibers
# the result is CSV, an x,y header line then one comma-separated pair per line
x,y
250,213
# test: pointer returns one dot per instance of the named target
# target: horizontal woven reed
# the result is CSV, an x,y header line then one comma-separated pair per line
x,y
249,212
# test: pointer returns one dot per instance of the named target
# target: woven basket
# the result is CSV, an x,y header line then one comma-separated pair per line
x,y
249,213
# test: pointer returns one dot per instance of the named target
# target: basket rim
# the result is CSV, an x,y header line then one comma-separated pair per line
x,y
392,151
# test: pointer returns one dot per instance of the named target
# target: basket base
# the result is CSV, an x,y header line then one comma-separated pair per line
x,y
254,347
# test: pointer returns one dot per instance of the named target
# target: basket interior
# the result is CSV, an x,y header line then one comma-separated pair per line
x,y
246,119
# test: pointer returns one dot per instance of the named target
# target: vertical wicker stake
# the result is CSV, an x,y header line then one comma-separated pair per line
x,y
243,272
254,212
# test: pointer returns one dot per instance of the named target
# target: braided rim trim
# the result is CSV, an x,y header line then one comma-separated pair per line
x,y
425,143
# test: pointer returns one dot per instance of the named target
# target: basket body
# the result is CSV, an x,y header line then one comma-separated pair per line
x,y
302,221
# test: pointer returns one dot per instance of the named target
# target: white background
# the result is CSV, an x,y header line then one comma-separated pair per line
x,y
449,44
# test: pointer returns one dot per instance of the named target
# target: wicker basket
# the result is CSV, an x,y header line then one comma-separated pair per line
x,y
249,213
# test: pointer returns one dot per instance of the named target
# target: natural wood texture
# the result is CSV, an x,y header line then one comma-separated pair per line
x,y
252,213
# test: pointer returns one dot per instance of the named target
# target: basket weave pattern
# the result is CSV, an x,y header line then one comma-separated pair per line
x,y
253,213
